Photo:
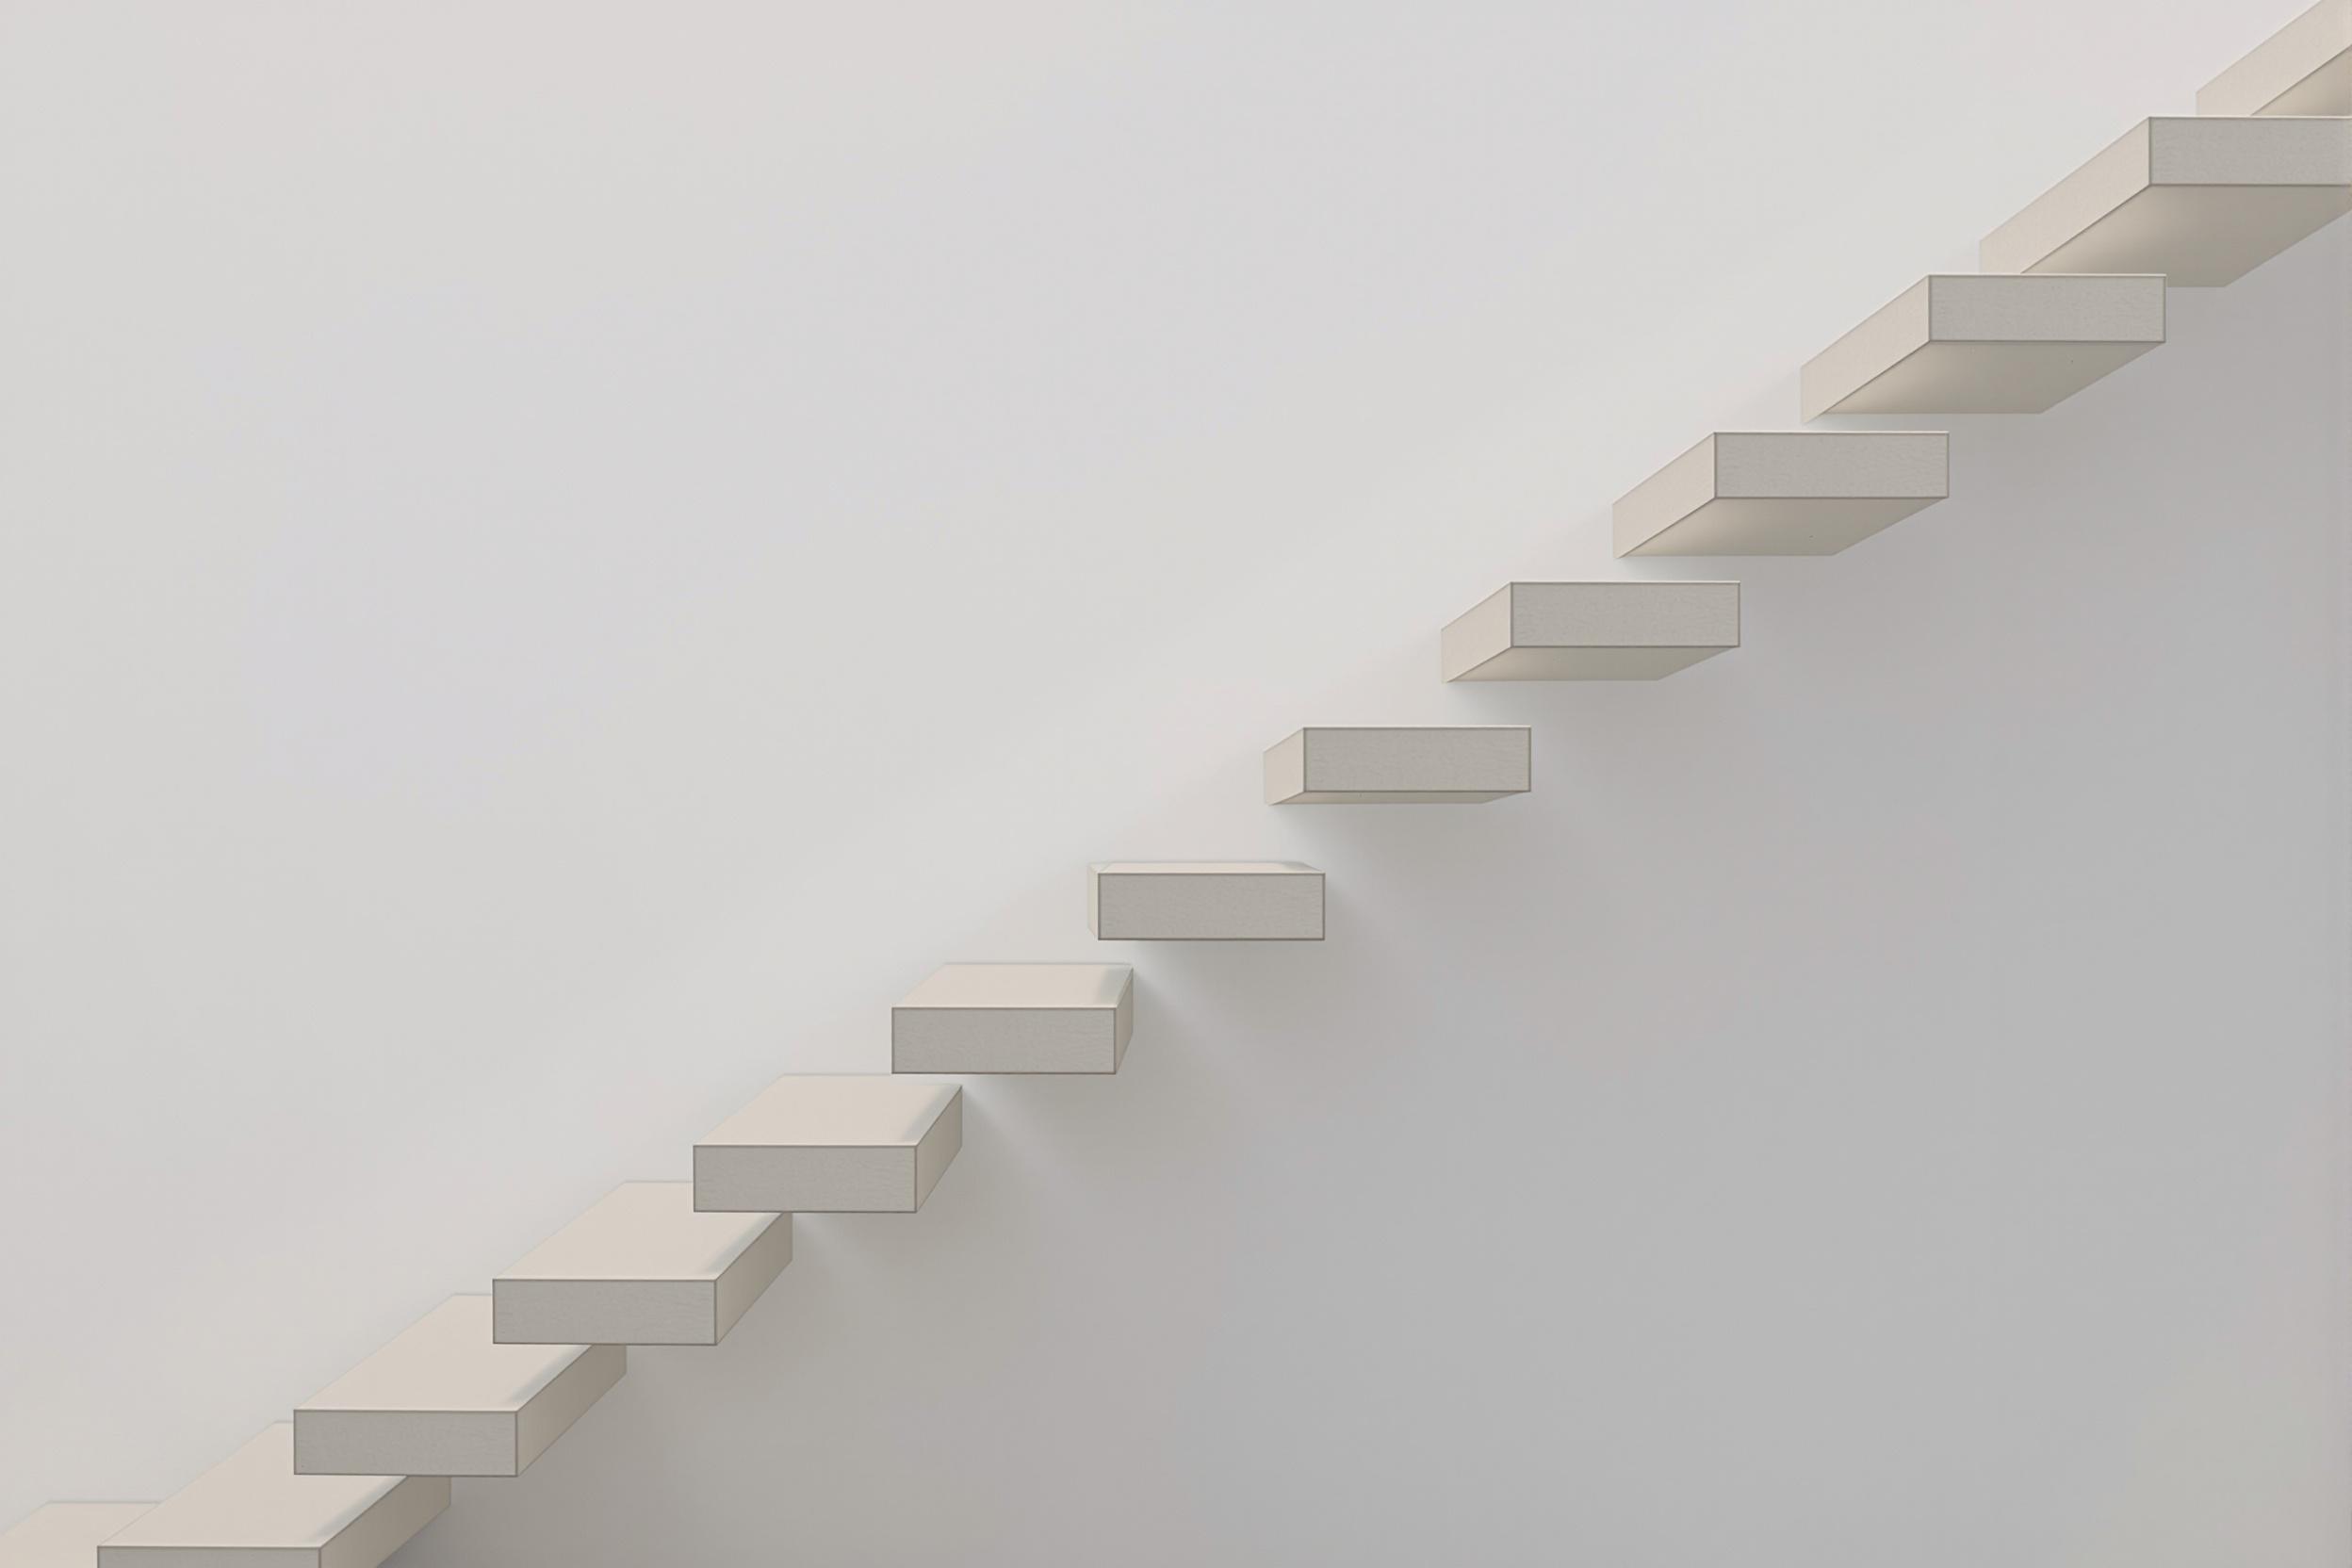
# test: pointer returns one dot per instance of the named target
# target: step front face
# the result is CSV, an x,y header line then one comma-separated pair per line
x,y
1784,492
2201,201
814,1144
1204,901
2303,68
1016,1017
1591,630
65,1535
444,1398
1400,765
642,1267
254,1510
1978,343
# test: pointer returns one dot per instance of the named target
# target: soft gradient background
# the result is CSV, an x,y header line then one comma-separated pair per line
x,y
554,558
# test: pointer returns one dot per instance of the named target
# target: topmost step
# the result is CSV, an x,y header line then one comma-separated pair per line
x,y
2303,68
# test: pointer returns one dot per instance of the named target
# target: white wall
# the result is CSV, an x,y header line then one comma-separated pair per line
x,y
554,558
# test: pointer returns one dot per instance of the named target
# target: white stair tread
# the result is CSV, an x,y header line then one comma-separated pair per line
x,y
2202,201
831,1144
253,1507
1204,901
1782,492
1631,631
61,1534
2303,68
1987,343
1398,764
640,1266
1016,1017
444,1398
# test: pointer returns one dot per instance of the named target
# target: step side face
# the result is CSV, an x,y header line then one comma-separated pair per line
x,y
1592,630
1787,492
252,1510
1986,344
1400,765
445,1399
2305,67
845,1144
58,1534
2201,201
1016,1018
1206,901
640,1266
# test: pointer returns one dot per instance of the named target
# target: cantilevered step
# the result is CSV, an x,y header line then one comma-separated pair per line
x,y
2202,202
1784,492
1204,901
642,1267
2303,68
1016,1017
1398,766
1591,630
253,1509
814,1144
63,1534
444,1398
1987,343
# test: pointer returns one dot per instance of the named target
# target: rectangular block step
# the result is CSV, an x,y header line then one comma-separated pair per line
x,y
1590,630
1400,765
1204,901
444,1398
1979,343
1016,1017
64,1535
2203,202
640,1266
816,1144
253,1509
2304,68
1784,492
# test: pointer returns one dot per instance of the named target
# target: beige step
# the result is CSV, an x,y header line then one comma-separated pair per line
x,y
444,1398
1400,765
815,1144
1784,492
1987,343
253,1509
2201,201
1590,630
2303,68
1204,901
1016,1017
64,1535
640,1266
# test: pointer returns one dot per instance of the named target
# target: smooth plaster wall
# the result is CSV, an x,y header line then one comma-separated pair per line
x,y
554,559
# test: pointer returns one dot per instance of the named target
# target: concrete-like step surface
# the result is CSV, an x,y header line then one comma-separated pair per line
x,y
444,1398
1016,1017
1400,765
2201,201
1784,492
1987,343
1590,630
640,1266
1204,901
816,1144
64,1535
253,1509
2303,68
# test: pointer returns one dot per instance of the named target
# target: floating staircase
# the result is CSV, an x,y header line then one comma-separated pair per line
x,y
2073,289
